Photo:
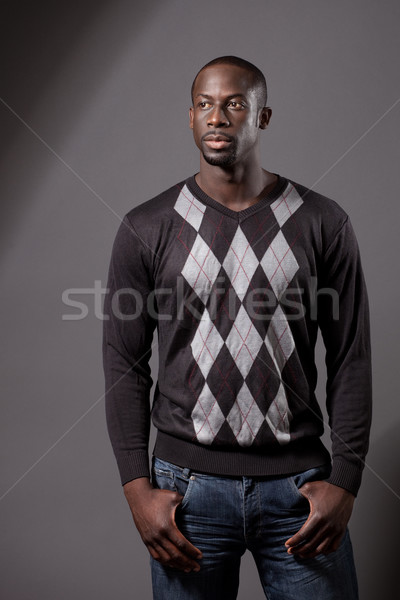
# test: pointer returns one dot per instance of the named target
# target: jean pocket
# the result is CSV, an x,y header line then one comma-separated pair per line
x,y
314,474
162,477
163,480
184,486
166,476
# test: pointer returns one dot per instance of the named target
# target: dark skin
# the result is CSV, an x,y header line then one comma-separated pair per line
x,y
226,105
226,119
153,511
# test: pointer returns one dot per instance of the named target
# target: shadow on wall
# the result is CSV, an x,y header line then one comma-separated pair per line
x,y
377,518
53,56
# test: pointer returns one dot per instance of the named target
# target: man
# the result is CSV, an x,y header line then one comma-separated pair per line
x,y
237,267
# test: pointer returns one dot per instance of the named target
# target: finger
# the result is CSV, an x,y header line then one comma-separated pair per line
x,y
171,548
183,551
306,551
324,542
178,560
332,546
306,532
183,545
168,555
158,553
309,543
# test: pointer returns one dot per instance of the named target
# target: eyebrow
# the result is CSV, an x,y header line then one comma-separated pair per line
x,y
238,95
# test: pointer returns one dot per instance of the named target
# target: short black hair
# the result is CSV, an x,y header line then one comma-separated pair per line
x,y
258,76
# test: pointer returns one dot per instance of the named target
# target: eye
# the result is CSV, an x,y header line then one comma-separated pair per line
x,y
204,104
236,105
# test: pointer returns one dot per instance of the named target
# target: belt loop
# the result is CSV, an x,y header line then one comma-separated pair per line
x,y
186,473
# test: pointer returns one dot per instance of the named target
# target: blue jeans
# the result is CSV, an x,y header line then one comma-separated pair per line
x,y
225,516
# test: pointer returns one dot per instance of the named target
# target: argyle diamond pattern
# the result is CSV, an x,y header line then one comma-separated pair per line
x,y
243,342
206,344
286,205
245,418
190,209
201,268
279,339
207,416
280,344
221,398
240,262
279,264
278,417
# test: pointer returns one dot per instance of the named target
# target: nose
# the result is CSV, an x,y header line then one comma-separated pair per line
x,y
217,117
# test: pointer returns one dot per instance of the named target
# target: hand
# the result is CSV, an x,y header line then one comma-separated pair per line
x,y
330,511
153,511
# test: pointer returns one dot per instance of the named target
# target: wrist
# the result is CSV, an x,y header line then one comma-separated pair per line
x,y
137,488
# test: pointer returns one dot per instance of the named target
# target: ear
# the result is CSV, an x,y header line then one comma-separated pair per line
x,y
191,117
264,117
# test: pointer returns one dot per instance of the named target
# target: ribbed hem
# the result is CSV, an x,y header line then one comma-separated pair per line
x,y
293,458
346,475
132,466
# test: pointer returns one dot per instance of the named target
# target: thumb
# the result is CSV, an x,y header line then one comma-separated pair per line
x,y
305,491
301,535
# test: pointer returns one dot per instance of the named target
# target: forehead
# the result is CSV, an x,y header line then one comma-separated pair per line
x,y
224,80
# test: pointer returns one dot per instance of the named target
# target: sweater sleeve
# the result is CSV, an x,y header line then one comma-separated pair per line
x,y
343,316
127,346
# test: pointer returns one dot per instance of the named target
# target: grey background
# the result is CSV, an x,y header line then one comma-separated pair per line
x,y
94,101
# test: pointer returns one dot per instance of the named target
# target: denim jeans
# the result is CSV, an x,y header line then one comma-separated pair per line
x,y
225,516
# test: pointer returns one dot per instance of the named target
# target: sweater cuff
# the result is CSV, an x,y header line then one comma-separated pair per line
x,y
345,475
132,466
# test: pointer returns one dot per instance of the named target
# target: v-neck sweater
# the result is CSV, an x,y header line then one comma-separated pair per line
x,y
237,299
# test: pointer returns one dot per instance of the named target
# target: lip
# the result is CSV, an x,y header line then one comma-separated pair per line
x,y
217,141
217,144
217,137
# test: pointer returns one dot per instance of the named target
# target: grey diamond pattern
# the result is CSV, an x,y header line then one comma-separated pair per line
x,y
207,416
245,418
279,339
191,209
240,262
243,341
201,268
280,344
279,264
278,417
284,207
206,344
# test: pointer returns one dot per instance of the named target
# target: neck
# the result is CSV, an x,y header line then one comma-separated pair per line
x,y
236,187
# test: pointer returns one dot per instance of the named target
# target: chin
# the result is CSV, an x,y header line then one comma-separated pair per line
x,y
220,160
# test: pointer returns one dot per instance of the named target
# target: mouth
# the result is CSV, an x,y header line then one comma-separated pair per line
x,y
217,142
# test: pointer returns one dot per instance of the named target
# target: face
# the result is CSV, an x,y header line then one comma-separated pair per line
x,y
225,116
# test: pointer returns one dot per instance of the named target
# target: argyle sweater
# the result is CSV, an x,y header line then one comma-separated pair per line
x,y
237,298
